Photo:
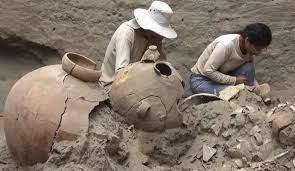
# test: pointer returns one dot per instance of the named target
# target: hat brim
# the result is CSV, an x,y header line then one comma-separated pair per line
x,y
145,21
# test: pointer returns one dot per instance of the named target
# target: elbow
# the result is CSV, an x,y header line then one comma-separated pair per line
x,y
208,72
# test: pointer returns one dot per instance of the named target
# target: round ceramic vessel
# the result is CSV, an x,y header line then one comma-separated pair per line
x,y
147,94
80,67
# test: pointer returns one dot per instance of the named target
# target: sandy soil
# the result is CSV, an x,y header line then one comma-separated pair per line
x,y
34,33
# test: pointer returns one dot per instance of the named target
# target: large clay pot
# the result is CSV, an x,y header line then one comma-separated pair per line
x,y
45,106
147,94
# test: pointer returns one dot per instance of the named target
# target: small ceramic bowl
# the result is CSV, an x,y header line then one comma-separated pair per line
x,y
80,67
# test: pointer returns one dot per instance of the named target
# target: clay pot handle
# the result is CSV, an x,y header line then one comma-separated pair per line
x,y
142,109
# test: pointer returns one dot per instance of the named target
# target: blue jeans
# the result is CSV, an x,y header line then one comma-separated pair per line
x,y
202,84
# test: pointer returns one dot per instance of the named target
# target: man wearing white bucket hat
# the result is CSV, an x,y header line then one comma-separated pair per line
x,y
133,37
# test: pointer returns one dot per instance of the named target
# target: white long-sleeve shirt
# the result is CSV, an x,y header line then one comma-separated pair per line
x,y
127,45
220,57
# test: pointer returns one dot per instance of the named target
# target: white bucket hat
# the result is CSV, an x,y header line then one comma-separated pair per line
x,y
156,19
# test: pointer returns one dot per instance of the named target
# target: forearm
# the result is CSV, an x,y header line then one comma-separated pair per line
x,y
220,77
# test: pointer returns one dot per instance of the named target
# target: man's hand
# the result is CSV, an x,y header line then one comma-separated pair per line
x,y
241,79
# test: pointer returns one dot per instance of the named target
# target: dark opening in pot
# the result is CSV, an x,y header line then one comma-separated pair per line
x,y
163,69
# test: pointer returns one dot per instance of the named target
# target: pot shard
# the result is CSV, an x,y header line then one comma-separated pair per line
x,y
44,106
147,95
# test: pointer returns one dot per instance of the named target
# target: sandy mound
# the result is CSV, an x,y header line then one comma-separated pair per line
x,y
217,135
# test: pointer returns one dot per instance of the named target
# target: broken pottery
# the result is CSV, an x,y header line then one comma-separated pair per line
x,y
45,106
147,94
80,67
197,99
281,120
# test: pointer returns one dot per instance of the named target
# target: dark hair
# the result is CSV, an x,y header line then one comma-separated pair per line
x,y
258,34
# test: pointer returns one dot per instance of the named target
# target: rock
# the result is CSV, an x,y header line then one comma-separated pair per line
x,y
208,153
238,111
292,107
243,149
267,100
257,157
255,129
242,169
280,121
262,90
250,109
230,92
217,128
240,163
117,149
227,134
256,117
287,135
240,120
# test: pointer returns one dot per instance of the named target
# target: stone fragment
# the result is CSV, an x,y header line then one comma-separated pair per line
x,y
240,120
255,129
267,101
250,109
256,117
242,169
208,153
262,90
271,112
280,155
280,121
292,107
287,135
229,92
227,134
243,149
217,128
240,163
240,86
281,105
257,157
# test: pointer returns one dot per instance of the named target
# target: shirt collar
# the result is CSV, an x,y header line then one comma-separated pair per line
x,y
133,24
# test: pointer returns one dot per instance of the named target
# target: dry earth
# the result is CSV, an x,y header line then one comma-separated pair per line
x,y
35,33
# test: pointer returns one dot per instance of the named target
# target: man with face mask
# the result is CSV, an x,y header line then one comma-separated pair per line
x,y
229,60
133,37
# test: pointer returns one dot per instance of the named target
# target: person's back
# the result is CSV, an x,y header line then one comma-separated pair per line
x,y
126,41
132,38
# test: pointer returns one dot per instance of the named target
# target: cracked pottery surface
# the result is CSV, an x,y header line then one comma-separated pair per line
x,y
147,97
45,106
